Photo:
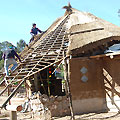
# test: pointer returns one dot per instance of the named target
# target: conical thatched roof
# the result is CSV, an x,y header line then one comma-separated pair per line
x,y
86,31
89,32
76,32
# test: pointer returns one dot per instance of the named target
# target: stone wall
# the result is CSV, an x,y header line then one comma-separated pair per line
x,y
42,105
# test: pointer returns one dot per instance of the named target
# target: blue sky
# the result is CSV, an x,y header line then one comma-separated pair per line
x,y
17,16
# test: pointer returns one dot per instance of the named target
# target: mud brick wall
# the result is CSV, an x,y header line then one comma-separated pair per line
x,y
87,85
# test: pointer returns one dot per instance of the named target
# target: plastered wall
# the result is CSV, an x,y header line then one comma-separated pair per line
x,y
87,85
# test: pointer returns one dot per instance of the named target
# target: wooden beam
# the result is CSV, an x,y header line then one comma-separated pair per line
x,y
44,68
113,101
13,115
2,82
23,80
28,88
112,92
68,92
116,92
36,82
12,94
105,55
16,77
4,90
29,57
14,107
84,31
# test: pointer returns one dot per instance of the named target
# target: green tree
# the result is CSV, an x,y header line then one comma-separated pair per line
x,y
1,61
20,45
3,46
1,64
1,55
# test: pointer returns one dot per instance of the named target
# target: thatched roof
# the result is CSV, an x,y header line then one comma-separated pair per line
x,y
28,49
88,32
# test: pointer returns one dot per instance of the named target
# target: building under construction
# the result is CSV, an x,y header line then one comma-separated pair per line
x,y
76,43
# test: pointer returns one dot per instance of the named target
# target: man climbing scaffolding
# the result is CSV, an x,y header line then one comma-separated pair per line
x,y
9,59
34,31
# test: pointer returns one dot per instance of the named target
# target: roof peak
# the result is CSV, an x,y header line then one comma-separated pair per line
x,y
68,8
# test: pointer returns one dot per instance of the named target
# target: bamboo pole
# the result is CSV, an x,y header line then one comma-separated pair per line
x,y
29,75
12,94
14,107
23,80
113,101
68,86
43,84
2,82
4,90
13,115
44,68
36,82
112,92
9,94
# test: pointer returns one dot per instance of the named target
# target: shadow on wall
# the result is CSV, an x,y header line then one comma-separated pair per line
x,y
112,83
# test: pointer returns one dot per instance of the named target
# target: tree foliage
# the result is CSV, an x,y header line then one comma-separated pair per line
x,y
20,45
4,46
1,55
1,64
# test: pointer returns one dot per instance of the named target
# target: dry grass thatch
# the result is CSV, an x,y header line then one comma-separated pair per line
x,y
91,34
86,32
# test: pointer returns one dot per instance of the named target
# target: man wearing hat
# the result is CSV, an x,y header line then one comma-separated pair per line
x,y
9,59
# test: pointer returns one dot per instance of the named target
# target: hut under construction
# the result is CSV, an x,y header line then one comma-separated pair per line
x,y
79,39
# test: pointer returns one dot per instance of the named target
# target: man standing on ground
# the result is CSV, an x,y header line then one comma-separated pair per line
x,y
34,31
9,59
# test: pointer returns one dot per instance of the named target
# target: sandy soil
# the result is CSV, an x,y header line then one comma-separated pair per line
x,y
5,115
91,116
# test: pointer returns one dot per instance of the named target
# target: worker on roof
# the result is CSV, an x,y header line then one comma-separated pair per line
x,y
9,59
34,31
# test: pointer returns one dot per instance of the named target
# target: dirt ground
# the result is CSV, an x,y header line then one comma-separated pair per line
x,y
91,116
5,115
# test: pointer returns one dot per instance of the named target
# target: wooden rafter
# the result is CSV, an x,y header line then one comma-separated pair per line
x,y
40,58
